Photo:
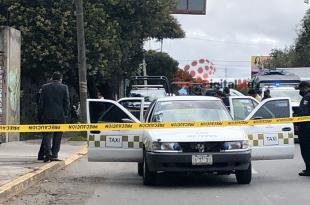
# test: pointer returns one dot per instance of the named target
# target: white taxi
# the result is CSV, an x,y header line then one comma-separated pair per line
x,y
209,149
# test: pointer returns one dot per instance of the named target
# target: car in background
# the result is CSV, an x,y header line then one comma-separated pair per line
x,y
233,92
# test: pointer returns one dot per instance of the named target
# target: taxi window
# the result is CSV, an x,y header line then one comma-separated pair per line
x,y
273,109
106,112
243,107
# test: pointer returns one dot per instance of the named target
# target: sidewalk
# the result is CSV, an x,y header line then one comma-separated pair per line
x,y
20,158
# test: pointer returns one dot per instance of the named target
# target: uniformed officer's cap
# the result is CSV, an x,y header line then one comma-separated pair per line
x,y
304,84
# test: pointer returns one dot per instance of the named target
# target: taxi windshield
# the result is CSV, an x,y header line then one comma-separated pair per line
x,y
293,94
190,111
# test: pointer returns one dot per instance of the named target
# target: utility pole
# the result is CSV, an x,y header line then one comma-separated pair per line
x,y
81,58
144,70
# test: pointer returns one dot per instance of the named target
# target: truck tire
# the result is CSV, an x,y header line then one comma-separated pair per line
x,y
148,177
244,176
140,169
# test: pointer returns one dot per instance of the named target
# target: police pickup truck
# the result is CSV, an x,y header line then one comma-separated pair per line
x,y
269,77
218,150
149,87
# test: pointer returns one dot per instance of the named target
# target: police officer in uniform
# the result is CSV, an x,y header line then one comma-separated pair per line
x,y
304,127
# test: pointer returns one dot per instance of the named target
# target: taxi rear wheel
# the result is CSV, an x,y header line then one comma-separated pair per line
x,y
244,176
148,177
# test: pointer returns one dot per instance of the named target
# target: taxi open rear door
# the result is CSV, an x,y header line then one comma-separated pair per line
x,y
120,145
268,141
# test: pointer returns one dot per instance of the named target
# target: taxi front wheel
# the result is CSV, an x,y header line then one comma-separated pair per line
x,y
244,176
140,169
148,176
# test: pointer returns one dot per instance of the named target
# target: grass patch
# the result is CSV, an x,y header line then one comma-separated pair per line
x,y
78,138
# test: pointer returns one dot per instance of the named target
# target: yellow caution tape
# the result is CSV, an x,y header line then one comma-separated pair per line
x,y
139,126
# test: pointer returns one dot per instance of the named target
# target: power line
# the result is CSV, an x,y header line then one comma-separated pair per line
x,y
238,61
227,65
229,42
212,60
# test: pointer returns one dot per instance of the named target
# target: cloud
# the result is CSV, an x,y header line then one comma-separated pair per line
x,y
236,30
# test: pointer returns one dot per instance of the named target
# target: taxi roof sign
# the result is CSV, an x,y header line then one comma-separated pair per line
x,y
196,7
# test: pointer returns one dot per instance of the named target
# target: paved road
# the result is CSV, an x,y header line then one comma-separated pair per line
x,y
274,182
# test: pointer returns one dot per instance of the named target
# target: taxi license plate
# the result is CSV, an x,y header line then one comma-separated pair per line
x,y
202,159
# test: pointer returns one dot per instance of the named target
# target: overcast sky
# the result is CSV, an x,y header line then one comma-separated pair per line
x,y
234,30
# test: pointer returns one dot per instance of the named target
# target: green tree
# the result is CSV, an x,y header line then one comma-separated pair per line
x,y
115,31
302,44
160,64
138,21
282,58
298,54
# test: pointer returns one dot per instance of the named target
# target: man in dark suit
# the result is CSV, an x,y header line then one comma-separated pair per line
x,y
53,108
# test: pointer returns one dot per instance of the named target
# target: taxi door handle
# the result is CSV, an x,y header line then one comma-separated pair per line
x,y
95,132
287,129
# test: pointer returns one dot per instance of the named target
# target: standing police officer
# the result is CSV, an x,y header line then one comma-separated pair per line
x,y
304,127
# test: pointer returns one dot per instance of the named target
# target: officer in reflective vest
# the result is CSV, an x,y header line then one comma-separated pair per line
x,y
304,127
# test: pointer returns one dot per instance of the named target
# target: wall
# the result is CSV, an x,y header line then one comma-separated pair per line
x,y
10,47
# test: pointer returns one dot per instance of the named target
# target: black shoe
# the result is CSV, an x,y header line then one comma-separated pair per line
x,y
305,173
55,160
40,158
47,159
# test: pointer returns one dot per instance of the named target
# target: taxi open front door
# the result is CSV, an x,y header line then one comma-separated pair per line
x,y
268,141
120,145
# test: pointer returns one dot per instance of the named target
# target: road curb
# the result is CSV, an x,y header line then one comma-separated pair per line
x,y
20,184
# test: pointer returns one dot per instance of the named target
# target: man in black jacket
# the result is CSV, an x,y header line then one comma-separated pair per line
x,y
53,108
304,127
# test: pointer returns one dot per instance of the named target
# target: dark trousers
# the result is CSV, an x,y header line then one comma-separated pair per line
x,y
304,141
49,148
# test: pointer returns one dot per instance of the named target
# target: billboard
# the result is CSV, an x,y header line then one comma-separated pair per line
x,y
258,63
197,7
